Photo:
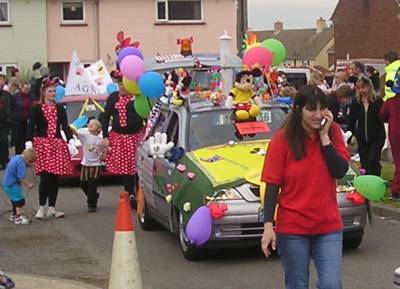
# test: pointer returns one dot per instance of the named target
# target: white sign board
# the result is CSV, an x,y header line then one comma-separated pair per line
x,y
91,80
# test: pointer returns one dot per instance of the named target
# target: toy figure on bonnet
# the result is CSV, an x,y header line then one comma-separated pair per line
x,y
241,96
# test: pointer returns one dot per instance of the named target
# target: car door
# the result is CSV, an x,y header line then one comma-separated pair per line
x,y
145,161
162,169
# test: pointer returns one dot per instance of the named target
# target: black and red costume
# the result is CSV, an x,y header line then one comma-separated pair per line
x,y
126,132
52,155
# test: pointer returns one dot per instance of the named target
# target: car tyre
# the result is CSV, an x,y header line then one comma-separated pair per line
x,y
146,222
353,242
189,251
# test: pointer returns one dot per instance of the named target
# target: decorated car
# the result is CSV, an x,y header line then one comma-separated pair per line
x,y
199,176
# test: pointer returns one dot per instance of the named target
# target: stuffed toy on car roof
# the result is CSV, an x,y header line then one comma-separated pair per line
x,y
241,97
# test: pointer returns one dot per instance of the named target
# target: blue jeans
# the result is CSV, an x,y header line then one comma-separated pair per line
x,y
325,249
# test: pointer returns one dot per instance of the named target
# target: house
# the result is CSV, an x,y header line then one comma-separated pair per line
x,y
90,27
303,46
366,28
22,34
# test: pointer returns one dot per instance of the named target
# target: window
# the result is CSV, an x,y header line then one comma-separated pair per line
x,y
73,12
179,10
4,12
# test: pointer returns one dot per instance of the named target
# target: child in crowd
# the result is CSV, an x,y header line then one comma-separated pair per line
x,y
93,153
5,281
14,176
345,96
390,113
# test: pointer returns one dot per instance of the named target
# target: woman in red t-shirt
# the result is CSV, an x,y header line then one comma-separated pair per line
x,y
303,160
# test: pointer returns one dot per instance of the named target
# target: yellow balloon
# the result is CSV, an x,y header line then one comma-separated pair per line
x,y
130,86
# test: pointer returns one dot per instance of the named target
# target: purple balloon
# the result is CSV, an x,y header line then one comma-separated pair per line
x,y
129,51
199,227
132,67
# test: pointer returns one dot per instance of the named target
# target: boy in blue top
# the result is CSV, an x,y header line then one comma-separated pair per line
x,y
14,176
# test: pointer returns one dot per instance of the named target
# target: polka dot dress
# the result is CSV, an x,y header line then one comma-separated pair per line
x,y
121,159
52,155
120,106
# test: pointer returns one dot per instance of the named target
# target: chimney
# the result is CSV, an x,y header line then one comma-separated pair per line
x,y
321,25
278,27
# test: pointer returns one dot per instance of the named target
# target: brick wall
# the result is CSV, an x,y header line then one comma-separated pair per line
x,y
366,28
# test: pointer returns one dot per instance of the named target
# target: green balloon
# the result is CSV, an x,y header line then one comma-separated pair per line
x,y
370,187
142,105
277,48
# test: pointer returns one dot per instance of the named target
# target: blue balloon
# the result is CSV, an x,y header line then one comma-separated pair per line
x,y
112,87
60,93
151,84
286,100
80,122
129,51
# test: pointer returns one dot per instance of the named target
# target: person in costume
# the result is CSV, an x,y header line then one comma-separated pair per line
x,y
47,118
390,113
126,133
308,223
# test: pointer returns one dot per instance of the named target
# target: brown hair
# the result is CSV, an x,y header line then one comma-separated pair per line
x,y
46,82
344,91
309,96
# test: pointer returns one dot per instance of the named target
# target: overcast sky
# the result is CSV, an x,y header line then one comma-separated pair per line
x,y
293,13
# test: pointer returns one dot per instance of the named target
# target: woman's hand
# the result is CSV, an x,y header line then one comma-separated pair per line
x,y
268,240
106,144
324,130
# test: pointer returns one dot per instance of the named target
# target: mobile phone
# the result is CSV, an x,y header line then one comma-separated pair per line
x,y
323,122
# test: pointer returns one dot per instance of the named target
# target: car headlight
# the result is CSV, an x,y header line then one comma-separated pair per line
x,y
227,194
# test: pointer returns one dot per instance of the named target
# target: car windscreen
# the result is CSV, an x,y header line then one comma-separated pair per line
x,y
210,128
296,79
74,109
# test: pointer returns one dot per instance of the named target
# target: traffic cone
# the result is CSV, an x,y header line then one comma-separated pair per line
x,y
125,271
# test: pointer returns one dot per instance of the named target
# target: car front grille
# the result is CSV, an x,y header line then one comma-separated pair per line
x,y
246,230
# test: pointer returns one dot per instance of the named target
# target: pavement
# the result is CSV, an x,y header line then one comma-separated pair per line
x,y
42,282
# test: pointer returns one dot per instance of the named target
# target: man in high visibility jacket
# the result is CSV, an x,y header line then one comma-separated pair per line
x,y
392,62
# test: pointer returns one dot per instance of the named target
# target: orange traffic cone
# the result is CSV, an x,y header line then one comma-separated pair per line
x,y
125,271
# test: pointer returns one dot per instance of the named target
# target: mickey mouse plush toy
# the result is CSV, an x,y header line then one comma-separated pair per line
x,y
240,97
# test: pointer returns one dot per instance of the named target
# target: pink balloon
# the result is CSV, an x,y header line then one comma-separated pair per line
x,y
132,67
258,56
199,226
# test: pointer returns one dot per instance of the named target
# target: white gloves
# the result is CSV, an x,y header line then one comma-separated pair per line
x,y
229,102
28,145
346,136
158,145
72,148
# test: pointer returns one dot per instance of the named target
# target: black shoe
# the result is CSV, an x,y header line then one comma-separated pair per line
x,y
395,197
92,209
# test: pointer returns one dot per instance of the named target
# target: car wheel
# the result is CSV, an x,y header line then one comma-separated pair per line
x,y
146,222
353,242
190,252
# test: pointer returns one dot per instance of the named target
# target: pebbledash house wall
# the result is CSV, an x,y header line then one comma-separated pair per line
x,y
96,38
366,28
23,39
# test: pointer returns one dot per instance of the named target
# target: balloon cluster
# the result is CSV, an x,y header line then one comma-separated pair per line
x,y
269,53
146,86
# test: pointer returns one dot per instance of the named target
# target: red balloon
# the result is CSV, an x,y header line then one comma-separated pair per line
x,y
258,56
